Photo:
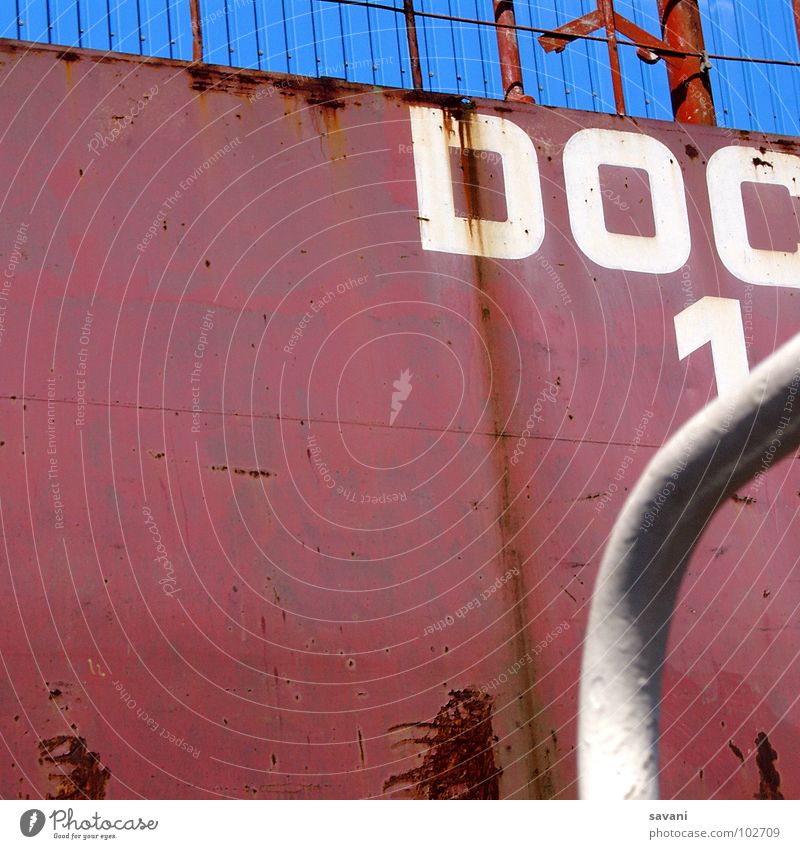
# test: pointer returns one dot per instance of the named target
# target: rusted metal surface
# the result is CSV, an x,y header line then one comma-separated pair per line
x,y
682,49
74,771
606,8
458,759
559,38
604,17
508,51
689,79
769,777
241,576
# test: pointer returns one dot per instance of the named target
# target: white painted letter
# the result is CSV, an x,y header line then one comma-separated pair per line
x,y
727,169
521,234
718,321
663,253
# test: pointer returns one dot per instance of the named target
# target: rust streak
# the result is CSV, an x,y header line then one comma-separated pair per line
x,y
736,750
361,748
494,335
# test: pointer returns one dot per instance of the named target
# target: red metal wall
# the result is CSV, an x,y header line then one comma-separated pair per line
x,y
225,573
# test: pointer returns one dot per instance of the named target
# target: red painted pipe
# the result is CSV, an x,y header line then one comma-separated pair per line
x,y
508,50
796,7
413,43
197,31
689,80
606,8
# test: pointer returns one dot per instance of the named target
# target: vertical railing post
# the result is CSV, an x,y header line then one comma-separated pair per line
x,y
413,44
508,51
606,8
796,7
689,79
197,31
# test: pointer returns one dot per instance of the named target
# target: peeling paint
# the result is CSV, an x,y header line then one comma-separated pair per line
x,y
73,771
769,777
459,761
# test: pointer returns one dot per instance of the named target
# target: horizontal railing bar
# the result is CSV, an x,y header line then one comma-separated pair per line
x,y
661,51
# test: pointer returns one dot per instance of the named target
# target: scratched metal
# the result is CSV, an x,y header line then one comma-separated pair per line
x,y
322,517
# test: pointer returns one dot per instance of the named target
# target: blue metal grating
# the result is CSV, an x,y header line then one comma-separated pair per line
x,y
352,42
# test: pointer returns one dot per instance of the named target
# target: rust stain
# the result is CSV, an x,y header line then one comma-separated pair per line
x,y
459,118
736,750
271,790
361,748
326,92
325,117
321,100
459,761
287,789
78,772
206,78
743,499
769,777
758,161
252,473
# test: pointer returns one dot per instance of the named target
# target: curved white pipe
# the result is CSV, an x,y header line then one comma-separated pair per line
x,y
726,444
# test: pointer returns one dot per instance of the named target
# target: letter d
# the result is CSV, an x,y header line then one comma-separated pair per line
x,y
522,233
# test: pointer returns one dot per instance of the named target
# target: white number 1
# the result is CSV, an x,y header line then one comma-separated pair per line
x,y
718,321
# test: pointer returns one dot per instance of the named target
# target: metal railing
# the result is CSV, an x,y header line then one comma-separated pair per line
x,y
651,58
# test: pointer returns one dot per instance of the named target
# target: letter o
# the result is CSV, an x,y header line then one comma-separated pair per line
x,y
663,253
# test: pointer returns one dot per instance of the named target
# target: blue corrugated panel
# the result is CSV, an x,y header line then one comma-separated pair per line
x,y
646,87
150,27
749,95
323,38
